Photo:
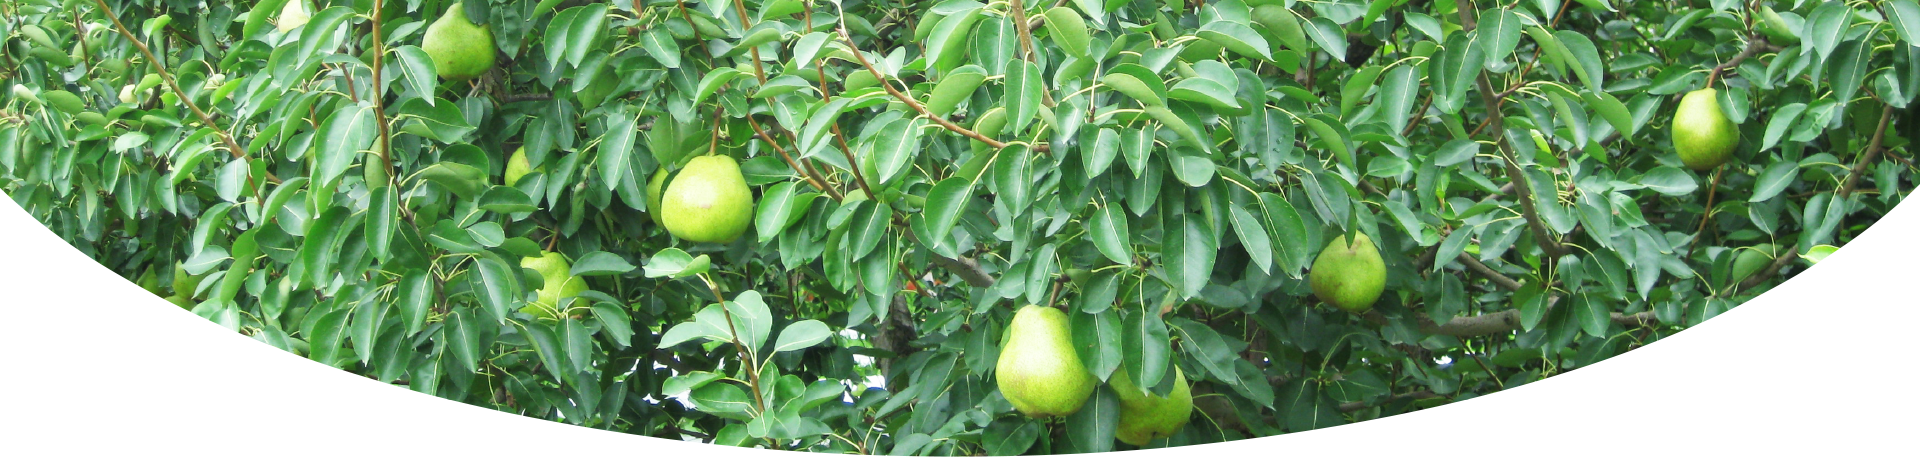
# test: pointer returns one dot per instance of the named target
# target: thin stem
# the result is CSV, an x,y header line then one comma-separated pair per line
x,y
909,101
233,147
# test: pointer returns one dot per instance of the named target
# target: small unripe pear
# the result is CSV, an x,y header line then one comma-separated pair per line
x,y
1350,276
517,166
708,201
1702,134
292,16
460,49
1144,416
1038,371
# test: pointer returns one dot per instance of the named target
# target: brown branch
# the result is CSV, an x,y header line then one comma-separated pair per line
x,y
805,173
1866,157
233,147
378,96
1783,257
909,101
1755,44
1019,11
1498,322
1483,270
1352,406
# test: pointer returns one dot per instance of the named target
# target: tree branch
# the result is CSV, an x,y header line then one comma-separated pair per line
x,y
233,147
1866,157
909,101
1784,257
1755,44
1498,279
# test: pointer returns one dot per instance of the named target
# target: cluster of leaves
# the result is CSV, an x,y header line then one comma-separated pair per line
x,y
1166,171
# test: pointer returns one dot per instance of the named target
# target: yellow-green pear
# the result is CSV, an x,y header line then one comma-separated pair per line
x,y
653,194
148,281
1038,371
708,201
460,49
183,283
559,284
1146,417
182,302
517,166
293,15
1350,276
1701,132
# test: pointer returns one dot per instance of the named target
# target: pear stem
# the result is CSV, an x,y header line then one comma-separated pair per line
x,y
1706,213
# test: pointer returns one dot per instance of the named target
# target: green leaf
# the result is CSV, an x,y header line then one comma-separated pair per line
x,y
776,209
1825,27
1905,16
675,263
1092,427
1501,31
1189,255
1327,34
1023,93
506,200
1068,31
414,299
615,322
600,263
1108,229
801,335
1669,181
713,82
1586,58
660,45
348,130
1242,40
1253,238
461,179
1398,92
1774,179
945,203
417,69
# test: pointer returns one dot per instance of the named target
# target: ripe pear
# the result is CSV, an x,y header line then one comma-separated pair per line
x,y
1349,275
460,49
653,194
1038,370
1701,132
708,201
293,15
1144,416
517,166
553,269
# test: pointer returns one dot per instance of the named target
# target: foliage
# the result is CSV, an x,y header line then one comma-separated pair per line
x,y
1164,171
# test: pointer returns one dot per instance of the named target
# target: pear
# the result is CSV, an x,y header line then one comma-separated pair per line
x,y
1146,417
1778,29
553,269
708,201
517,166
1038,370
292,16
148,281
1349,275
653,194
182,302
1701,132
459,48
183,283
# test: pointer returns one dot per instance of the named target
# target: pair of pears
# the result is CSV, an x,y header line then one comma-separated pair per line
x,y
1040,374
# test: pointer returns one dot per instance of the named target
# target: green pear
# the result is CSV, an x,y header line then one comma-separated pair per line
x,y
182,302
1146,417
183,283
147,280
1701,132
708,201
1038,370
1750,261
653,194
559,284
292,16
517,166
459,48
1778,29
1349,275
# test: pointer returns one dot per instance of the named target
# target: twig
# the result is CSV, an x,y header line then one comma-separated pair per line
x,y
1866,157
233,147
1783,257
1755,44
909,101
1480,268
378,96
